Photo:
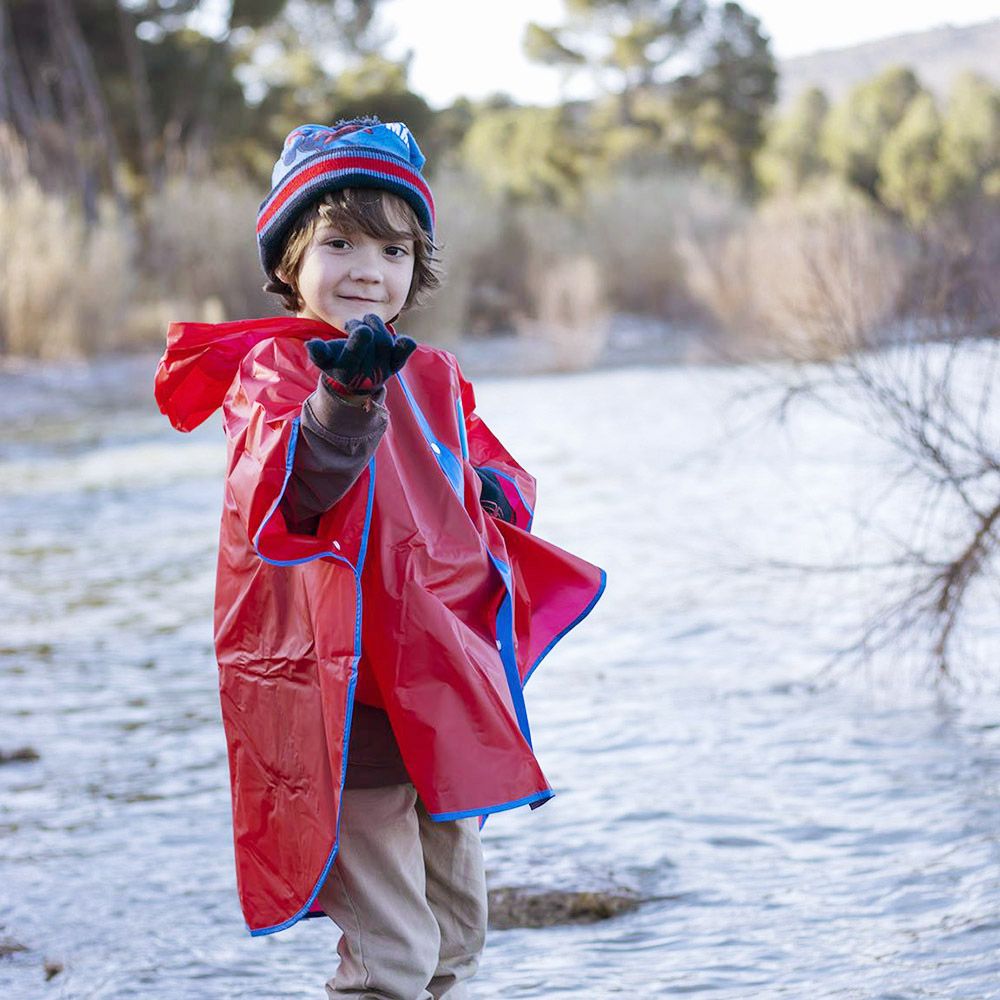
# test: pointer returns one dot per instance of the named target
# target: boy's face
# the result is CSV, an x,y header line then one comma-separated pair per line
x,y
344,275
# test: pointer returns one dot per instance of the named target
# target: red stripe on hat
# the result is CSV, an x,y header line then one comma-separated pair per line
x,y
345,163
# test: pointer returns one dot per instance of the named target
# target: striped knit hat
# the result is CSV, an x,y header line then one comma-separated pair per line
x,y
315,159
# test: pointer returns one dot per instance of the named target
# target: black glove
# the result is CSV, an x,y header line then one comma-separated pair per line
x,y
493,499
365,361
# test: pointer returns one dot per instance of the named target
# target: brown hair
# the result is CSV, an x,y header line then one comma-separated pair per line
x,y
372,211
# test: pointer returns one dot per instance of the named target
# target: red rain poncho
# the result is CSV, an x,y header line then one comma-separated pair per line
x,y
453,608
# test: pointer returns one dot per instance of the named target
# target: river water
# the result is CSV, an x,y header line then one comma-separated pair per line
x,y
792,833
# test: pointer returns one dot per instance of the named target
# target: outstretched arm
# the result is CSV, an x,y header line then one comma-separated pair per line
x,y
343,421
337,439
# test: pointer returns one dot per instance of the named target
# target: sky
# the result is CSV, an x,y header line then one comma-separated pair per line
x,y
474,49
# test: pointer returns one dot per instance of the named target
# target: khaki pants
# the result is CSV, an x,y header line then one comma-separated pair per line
x,y
409,896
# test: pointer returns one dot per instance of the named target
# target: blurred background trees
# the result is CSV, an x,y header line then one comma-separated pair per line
x,y
685,83
679,208
137,139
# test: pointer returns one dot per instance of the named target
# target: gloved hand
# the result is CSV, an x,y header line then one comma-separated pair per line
x,y
493,499
365,361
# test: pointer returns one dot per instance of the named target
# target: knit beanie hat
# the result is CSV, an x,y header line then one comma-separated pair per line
x,y
315,159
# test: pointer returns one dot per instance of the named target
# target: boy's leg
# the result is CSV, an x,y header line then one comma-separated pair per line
x,y
376,894
456,892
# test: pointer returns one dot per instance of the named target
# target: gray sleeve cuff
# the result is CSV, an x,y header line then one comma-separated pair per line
x,y
336,442
327,414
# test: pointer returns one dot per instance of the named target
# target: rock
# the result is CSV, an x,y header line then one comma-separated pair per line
x,y
52,968
21,754
8,946
520,907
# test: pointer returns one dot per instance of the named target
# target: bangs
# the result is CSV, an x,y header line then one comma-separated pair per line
x,y
372,211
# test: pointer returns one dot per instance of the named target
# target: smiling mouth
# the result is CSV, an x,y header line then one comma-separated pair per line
x,y
358,298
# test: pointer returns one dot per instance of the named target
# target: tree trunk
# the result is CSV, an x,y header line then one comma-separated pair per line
x,y
144,119
75,153
6,112
68,31
16,105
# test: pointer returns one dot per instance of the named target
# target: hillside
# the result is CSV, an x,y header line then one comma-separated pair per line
x,y
937,56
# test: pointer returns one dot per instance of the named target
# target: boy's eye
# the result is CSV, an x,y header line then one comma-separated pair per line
x,y
337,242
396,251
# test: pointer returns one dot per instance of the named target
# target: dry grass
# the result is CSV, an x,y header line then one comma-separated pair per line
x,y
512,269
67,289
808,278
469,227
564,300
570,311
200,257
634,228
64,290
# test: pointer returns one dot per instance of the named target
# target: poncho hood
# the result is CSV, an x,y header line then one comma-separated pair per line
x,y
202,359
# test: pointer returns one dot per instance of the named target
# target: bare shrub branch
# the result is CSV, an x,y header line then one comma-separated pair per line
x,y
922,381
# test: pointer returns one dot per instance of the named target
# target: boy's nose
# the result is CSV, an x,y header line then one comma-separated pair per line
x,y
365,268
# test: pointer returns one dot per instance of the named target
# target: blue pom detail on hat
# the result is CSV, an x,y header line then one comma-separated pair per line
x,y
315,159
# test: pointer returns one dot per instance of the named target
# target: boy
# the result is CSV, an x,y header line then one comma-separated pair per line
x,y
380,600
